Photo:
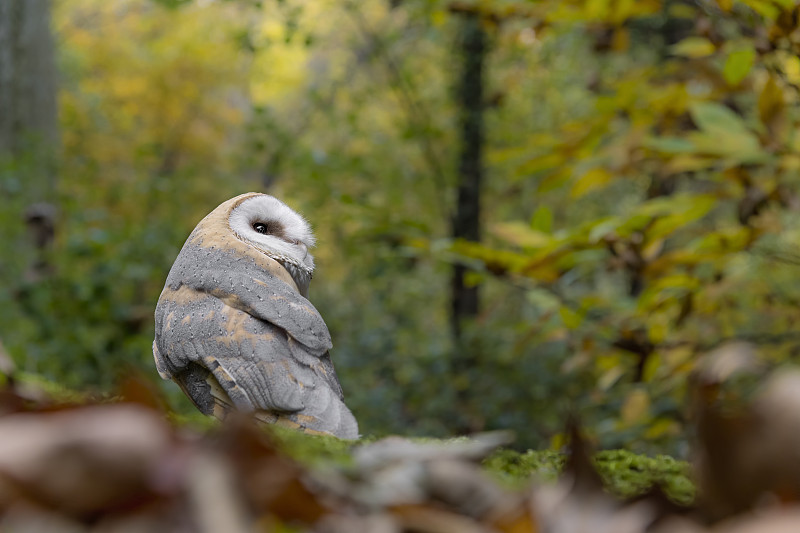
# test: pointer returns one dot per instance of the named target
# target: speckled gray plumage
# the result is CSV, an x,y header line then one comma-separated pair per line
x,y
230,312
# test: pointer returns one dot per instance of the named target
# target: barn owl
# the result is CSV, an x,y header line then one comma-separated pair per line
x,y
234,328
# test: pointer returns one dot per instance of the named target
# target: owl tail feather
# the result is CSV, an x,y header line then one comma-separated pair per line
x,y
223,406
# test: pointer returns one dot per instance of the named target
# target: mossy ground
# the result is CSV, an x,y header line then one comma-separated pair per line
x,y
624,473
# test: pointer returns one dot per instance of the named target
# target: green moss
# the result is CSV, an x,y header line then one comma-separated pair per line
x,y
628,474
195,420
624,473
516,468
57,392
313,450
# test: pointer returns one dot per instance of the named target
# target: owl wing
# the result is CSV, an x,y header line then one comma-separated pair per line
x,y
264,343
251,359
271,300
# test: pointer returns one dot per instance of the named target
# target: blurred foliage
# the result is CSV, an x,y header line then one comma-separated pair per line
x,y
642,178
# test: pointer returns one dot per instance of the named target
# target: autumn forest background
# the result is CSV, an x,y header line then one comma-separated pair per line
x,y
523,209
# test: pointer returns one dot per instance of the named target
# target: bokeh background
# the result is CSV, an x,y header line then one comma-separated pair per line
x,y
635,165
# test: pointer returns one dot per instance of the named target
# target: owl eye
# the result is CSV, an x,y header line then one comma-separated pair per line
x,y
261,228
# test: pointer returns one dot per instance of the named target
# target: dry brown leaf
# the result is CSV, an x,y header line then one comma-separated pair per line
x,y
428,519
578,503
348,523
465,488
567,511
776,521
216,502
678,524
87,460
270,482
27,518
135,388
743,456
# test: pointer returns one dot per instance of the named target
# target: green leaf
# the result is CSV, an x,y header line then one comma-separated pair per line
x,y
542,162
172,4
669,145
738,65
542,220
687,210
603,227
713,117
763,8
677,281
723,133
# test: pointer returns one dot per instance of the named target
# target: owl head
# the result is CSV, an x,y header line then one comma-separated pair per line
x,y
276,230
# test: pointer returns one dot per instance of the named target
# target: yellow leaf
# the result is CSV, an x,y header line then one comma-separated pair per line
x,y
597,9
521,235
679,281
609,361
689,163
770,104
635,407
472,278
611,376
790,162
651,366
439,18
791,66
558,441
693,47
662,427
570,318
594,179
725,5
657,331
542,162
676,357
542,272
682,11
653,249
621,11
621,41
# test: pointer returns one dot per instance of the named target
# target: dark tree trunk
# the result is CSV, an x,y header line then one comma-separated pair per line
x,y
466,220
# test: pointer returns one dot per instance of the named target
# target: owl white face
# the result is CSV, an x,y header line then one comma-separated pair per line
x,y
274,228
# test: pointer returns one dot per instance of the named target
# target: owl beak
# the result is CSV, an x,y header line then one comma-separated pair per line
x,y
300,244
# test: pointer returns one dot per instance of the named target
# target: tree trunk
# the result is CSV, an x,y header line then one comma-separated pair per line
x,y
28,112
28,121
466,221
